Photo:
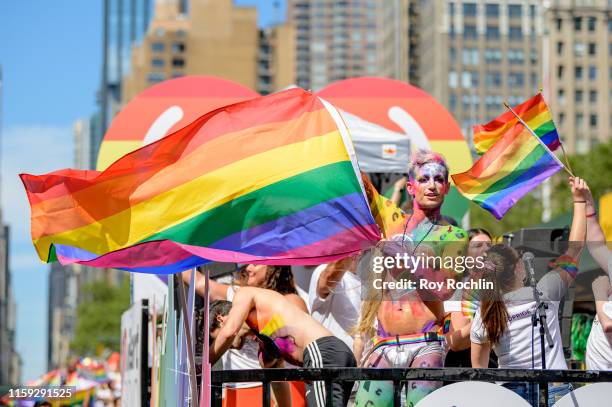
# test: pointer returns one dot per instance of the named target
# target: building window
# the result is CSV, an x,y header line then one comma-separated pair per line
x,y
593,96
578,96
469,9
561,119
493,79
593,120
591,23
579,120
532,11
451,9
516,56
592,48
158,47
515,33
155,77
559,48
514,10
534,80
579,49
452,55
559,24
560,71
469,31
158,62
452,101
577,23
516,79
578,72
561,97
492,10
592,72
178,62
492,55
492,32
178,47
469,56
452,79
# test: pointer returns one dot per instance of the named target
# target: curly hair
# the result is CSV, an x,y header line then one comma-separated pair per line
x,y
278,278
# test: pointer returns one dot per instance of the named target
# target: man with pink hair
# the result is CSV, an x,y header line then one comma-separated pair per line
x,y
408,327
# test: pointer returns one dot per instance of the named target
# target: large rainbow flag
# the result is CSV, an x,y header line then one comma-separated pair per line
x,y
512,167
272,180
534,112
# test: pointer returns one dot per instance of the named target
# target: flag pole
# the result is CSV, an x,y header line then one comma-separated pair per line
x,y
538,138
205,385
188,338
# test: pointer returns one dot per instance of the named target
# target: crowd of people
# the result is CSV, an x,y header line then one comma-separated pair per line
x,y
332,315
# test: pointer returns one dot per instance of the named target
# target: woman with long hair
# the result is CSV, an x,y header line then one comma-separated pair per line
x,y
464,303
503,321
276,278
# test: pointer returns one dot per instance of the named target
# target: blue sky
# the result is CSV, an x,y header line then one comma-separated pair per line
x,y
50,53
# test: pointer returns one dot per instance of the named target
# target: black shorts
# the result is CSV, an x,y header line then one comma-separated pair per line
x,y
328,351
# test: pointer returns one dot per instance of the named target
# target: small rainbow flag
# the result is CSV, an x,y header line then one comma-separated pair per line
x,y
272,180
534,112
512,167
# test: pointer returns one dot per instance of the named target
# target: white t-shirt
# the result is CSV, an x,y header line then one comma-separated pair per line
x,y
599,345
514,348
339,311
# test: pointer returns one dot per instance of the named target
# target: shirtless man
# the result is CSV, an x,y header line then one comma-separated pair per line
x,y
286,332
407,327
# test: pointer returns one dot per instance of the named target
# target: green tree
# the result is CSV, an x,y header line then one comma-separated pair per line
x,y
595,167
98,324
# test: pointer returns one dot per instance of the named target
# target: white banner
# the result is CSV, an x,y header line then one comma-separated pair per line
x,y
131,329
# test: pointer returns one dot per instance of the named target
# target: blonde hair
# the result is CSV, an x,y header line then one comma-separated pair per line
x,y
371,297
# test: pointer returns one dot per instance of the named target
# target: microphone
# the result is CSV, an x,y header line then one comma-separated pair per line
x,y
528,262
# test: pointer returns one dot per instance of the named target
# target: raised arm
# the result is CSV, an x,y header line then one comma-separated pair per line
x,y
567,264
596,239
218,291
331,276
234,326
601,292
580,191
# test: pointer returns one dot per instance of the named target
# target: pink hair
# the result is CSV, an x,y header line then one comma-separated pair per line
x,y
421,157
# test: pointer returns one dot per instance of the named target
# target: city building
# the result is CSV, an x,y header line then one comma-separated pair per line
x,y
10,362
124,23
578,37
214,38
276,58
335,40
476,55
62,303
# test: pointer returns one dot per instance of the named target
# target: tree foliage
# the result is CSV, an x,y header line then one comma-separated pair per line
x,y
98,324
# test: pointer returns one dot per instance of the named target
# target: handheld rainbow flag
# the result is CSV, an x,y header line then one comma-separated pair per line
x,y
272,180
534,112
512,167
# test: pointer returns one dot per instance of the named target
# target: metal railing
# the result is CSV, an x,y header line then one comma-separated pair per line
x,y
397,376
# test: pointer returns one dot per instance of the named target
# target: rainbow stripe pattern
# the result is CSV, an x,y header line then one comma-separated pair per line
x,y
512,167
272,180
534,112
